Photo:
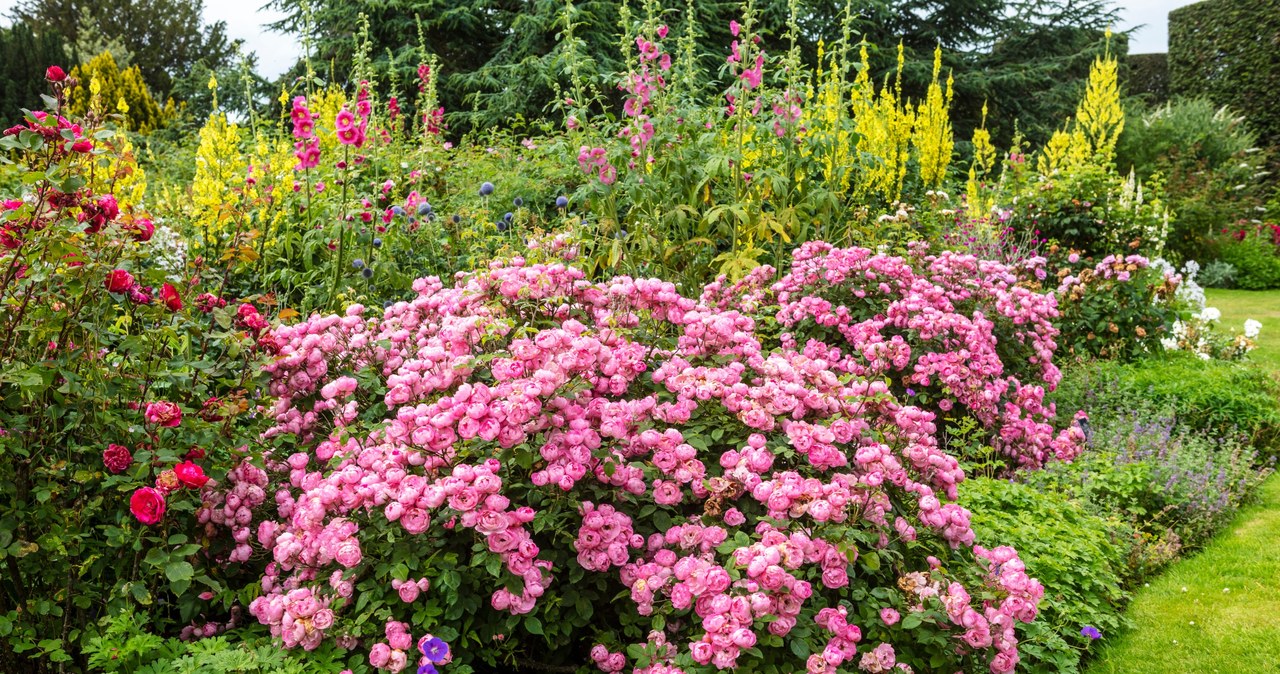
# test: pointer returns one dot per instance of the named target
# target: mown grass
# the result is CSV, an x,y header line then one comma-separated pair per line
x,y
1264,306
1216,612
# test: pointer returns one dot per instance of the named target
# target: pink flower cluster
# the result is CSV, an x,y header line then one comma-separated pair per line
x,y
596,159
233,508
604,538
628,404
307,147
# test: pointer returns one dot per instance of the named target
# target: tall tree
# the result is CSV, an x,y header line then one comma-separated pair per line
x,y
164,38
24,56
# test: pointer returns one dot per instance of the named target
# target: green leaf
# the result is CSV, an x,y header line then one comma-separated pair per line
x,y
180,570
533,625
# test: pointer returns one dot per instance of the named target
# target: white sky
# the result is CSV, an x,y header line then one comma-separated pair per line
x,y
277,52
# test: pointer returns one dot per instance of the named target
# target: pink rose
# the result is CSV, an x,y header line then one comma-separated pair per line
x,y
147,504
349,554
163,413
119,281
190,475
408,592
889,616
323,619
117,459
379,655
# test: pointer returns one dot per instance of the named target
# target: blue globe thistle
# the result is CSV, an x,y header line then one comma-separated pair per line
x,y
502,225
387,304
367,272
518,201
508,216
486,189
357,263
397,210
377,243
562,202
456,218
424,208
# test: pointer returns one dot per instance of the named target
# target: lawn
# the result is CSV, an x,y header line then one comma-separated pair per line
x,y
1239,305
1218,611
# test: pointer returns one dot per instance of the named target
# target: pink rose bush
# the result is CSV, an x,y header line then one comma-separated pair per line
x,y
755,474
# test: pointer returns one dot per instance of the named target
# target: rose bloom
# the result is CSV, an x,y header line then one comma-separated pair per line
x,y
164,413
147,505
169,295
55,74
190,475
117,459
889,616
119,281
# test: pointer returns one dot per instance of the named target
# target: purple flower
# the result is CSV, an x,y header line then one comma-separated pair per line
x,y
911,392
435,649
427,669
1091,632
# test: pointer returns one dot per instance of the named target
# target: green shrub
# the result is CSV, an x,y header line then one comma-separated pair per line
x,y
1207,158
1078,557
1255,258
1215,397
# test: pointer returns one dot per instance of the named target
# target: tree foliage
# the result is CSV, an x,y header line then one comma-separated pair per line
x,y
105,88
24,56
164,38
510,59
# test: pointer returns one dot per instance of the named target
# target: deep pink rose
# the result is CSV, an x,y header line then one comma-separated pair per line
x,y
55,74
119,281
164,413
190,475
117,459
147,505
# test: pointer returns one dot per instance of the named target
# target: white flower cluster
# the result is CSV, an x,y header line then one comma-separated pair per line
x,y
1189,293
1197,335
169,252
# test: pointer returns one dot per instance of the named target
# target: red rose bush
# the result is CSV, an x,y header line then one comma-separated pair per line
x,y
646,480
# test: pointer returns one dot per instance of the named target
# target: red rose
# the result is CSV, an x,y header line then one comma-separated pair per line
x,y
163,413
82,145
117,459
169,295
147,504
55,74
194,454
190,475
119,281
142,229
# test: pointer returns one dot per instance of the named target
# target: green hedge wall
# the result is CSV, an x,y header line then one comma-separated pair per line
x,y
1149,77
1229,51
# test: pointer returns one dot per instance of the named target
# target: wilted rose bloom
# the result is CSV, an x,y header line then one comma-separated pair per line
x,y
147,505
163,413
117,458
167,481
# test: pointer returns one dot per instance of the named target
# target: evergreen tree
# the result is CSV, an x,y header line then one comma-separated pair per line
x,y
164,38
24,57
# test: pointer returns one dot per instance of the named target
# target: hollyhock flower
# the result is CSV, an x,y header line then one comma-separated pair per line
x,y
119,281
163,413
117,458
147,505
190,475
169,295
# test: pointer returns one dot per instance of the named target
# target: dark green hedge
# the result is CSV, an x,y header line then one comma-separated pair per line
x,y
1229,51
1149,77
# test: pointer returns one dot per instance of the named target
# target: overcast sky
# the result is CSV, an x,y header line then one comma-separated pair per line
x,y
277,52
